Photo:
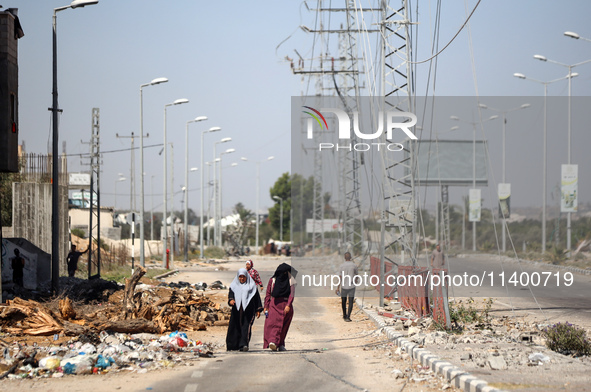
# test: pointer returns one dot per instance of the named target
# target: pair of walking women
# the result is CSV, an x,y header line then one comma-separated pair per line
x,y
246,305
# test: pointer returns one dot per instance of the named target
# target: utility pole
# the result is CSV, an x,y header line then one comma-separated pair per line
x,y
132,189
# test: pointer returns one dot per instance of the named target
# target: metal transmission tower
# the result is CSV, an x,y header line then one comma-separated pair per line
x,y
94,232
398,209
347,89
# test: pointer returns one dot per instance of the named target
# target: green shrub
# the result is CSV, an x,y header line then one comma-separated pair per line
x,y
79,233
567,339
214,252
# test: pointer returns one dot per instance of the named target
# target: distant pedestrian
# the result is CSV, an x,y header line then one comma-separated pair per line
x,y
254,274
18,266
347,287
437,258
73,257
279,305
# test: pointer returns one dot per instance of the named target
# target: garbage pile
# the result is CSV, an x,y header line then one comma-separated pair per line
x,y
141,309
107,352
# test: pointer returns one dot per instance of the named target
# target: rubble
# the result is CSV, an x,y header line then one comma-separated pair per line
x,y
145,308
112,328
115,352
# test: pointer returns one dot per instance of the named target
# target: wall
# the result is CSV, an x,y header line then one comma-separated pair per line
x,y
31,217
37,272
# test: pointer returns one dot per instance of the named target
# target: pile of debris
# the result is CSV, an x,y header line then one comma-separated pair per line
x,y
149,309
101,354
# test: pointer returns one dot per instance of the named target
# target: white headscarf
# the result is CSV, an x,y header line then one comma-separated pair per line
x,y
243,292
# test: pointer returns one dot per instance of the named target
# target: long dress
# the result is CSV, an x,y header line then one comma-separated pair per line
x,y
241,320
277,324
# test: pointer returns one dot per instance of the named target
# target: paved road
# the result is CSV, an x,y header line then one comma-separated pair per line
x,y
552,294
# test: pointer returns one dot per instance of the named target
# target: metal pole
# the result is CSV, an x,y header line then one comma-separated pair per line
x,y
544,168
151,211
164,192
215,201
281,221
172,218
257,206
142,250
568,215
186,226
474,183
201,250
503,220
55,225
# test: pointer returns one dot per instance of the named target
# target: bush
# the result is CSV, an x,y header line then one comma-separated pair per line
x,y
79,233
214,252
567,339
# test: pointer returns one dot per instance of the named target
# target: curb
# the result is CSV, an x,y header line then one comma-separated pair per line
x,y
164,275
454,375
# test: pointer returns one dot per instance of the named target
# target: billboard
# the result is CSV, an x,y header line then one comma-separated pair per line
x,y
326,225
568,191
451,162
504,200
475,205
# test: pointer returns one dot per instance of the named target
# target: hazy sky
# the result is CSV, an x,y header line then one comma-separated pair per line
x,y
222,56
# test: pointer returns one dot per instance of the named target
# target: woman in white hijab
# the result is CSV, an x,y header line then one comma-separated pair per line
x,y
246,304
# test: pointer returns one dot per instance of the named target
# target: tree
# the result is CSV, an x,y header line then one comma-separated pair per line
x,y
282,190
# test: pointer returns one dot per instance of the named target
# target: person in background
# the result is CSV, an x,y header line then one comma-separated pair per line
x,y
18,266
246,304
279,307
347,289
72,259
437,258
254,274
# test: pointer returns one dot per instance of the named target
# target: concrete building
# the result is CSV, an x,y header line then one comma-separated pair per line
x,y
10,32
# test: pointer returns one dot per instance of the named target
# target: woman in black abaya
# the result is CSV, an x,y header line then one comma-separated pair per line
x,y
246,305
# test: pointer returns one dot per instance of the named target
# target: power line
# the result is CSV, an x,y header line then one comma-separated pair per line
x,y
113,151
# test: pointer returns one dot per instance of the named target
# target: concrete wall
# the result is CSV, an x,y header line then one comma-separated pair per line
x,y
8,94
31,217
79,218
37,270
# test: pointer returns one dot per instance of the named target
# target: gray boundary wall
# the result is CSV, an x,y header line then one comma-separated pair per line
x,y
31,217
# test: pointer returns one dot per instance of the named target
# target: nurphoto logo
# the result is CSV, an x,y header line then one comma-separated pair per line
x,y
395,120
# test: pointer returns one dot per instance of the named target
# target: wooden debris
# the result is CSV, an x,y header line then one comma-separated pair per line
x,y
66,309
129,291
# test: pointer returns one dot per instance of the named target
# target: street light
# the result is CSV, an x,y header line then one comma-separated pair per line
x,y
55,210
257,196
280,217
456,118
220,228
201,251
186,190
545,149
570,77
164,216
575,36
215,190
142,252
116,181
504,113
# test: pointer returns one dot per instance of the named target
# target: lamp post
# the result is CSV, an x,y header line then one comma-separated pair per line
x,y
544,148
504,114
164,215
456,118
152,207
201,251
142,251
258,163
575,36
570,77
116,181
215,191
55,224
280,217
219,222
186,190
